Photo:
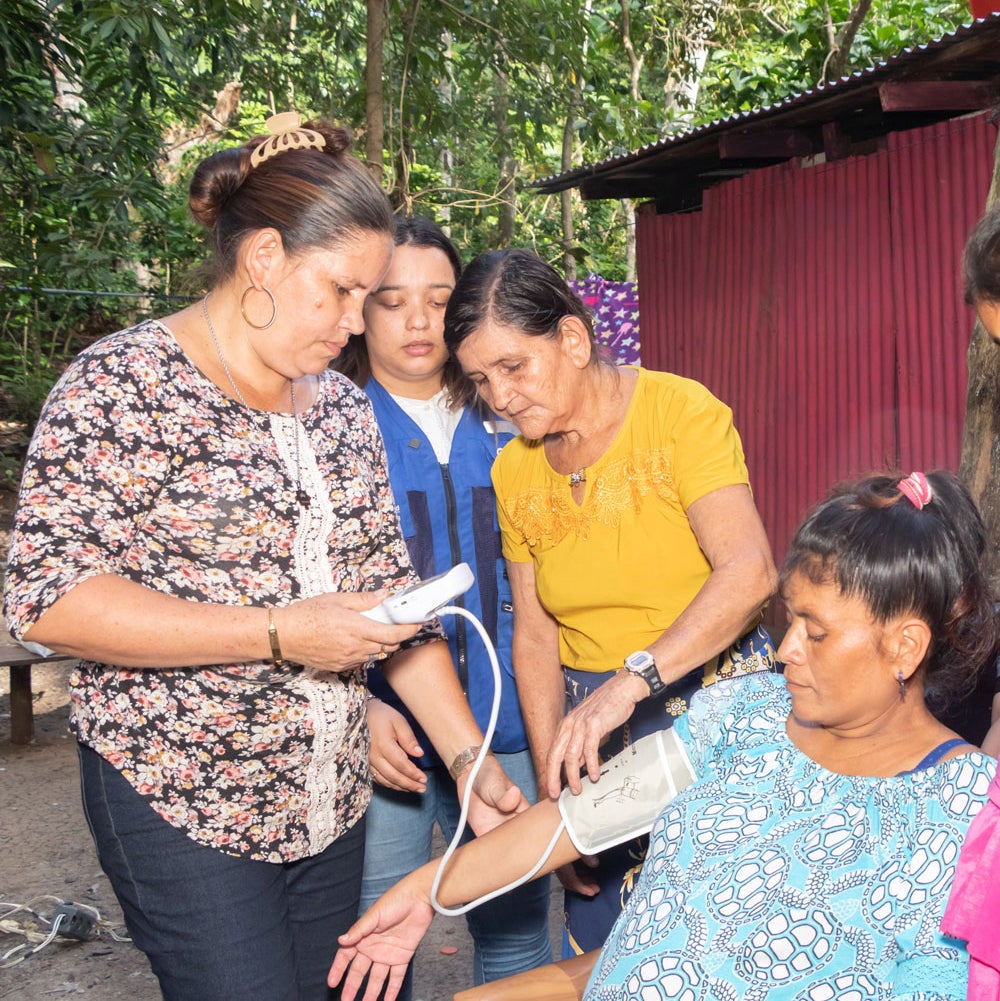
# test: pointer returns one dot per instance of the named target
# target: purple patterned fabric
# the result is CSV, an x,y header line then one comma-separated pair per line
x,y
615,306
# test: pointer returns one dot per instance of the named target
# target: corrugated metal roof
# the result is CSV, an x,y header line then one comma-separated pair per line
x,y
808,107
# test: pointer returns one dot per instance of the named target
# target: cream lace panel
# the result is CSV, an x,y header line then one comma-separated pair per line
x,y
549,511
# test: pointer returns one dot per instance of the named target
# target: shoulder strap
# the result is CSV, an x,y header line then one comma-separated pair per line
x,y
935,755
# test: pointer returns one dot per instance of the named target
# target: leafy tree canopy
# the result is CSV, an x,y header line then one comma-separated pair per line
x,y
105,104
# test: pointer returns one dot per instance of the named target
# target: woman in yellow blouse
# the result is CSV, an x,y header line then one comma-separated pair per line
x,y
630,533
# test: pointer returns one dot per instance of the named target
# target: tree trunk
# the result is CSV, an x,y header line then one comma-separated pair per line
x,y
180,139
566,197
837,59
293,26
628,208
634,59
446,159
374,128
505,185
980,465
568,147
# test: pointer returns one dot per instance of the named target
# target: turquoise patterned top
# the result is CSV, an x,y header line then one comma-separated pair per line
x,y
772,878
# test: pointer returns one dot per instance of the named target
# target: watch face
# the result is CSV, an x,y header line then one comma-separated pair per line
x,y
639,660
643,664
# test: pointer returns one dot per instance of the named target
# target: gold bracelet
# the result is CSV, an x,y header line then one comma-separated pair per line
x,y
462,760
272,635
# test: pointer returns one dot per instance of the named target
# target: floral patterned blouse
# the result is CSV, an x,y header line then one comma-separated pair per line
x,y
142,467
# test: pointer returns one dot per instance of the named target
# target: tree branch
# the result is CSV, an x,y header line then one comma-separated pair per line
x,y
840,50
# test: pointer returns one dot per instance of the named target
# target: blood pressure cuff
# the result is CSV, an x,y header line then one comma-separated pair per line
x,y
633,788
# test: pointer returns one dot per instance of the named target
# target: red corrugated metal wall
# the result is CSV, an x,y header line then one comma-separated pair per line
x,y
824,305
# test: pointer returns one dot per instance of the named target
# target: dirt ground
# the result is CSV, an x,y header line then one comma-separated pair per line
x,y
48,857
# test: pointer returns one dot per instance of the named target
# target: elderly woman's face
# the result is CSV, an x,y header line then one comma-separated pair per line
x,y
518,375
837,670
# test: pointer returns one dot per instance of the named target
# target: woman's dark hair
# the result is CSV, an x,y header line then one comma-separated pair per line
x,y
514,288
981,261
873,543
353,361
315,198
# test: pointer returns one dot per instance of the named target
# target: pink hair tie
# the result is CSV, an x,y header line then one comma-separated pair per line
x,y
916,489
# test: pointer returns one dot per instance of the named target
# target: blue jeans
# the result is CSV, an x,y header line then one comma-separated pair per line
x,y
511,933
215,926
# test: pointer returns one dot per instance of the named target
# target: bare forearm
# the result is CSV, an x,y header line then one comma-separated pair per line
x,y
729,531
719,614
538,672
383,940
542,695
499,857
425,679
115,621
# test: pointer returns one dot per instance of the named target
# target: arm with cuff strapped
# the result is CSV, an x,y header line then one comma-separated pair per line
x,y
383,940
632,790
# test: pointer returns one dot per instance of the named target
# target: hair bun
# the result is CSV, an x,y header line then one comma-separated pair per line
x,y
214,183
338,138
287,133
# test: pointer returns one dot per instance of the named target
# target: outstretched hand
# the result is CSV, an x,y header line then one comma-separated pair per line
x,y
380,945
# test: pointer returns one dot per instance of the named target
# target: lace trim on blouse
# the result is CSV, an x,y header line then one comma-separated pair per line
x,y
549,511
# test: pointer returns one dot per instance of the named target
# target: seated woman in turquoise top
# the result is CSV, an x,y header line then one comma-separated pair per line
x,y
812,855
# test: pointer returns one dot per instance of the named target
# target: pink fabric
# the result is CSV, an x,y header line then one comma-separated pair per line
x,y
973,911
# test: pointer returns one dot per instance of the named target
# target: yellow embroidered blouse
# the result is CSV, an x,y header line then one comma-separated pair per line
x,y
616,570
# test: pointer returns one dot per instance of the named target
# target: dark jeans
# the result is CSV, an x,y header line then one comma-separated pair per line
x,y
216,927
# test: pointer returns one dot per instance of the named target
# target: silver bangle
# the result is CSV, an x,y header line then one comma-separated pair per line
x,y
463,759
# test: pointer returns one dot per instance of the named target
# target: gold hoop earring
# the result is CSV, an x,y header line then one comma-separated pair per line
x,y
243,308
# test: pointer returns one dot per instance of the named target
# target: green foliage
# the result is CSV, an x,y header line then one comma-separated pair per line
x,y
476,91
85,93
758,61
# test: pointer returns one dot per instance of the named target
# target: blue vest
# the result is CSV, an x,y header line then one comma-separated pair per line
x,y
448,516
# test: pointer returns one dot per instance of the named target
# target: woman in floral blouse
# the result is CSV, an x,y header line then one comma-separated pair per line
x,y
204,514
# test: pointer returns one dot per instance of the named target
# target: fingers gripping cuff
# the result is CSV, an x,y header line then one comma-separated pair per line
x,y
633,788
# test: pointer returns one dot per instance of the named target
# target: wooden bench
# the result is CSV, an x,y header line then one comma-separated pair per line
x,y
19,661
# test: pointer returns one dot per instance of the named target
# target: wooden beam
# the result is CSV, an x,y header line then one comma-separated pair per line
x,y
936,95
766,144
836,145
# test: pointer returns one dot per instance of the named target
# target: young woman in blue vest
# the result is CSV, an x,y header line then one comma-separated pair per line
x,y
440,445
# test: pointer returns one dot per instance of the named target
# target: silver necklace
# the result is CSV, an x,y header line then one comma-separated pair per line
x,y
301,497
